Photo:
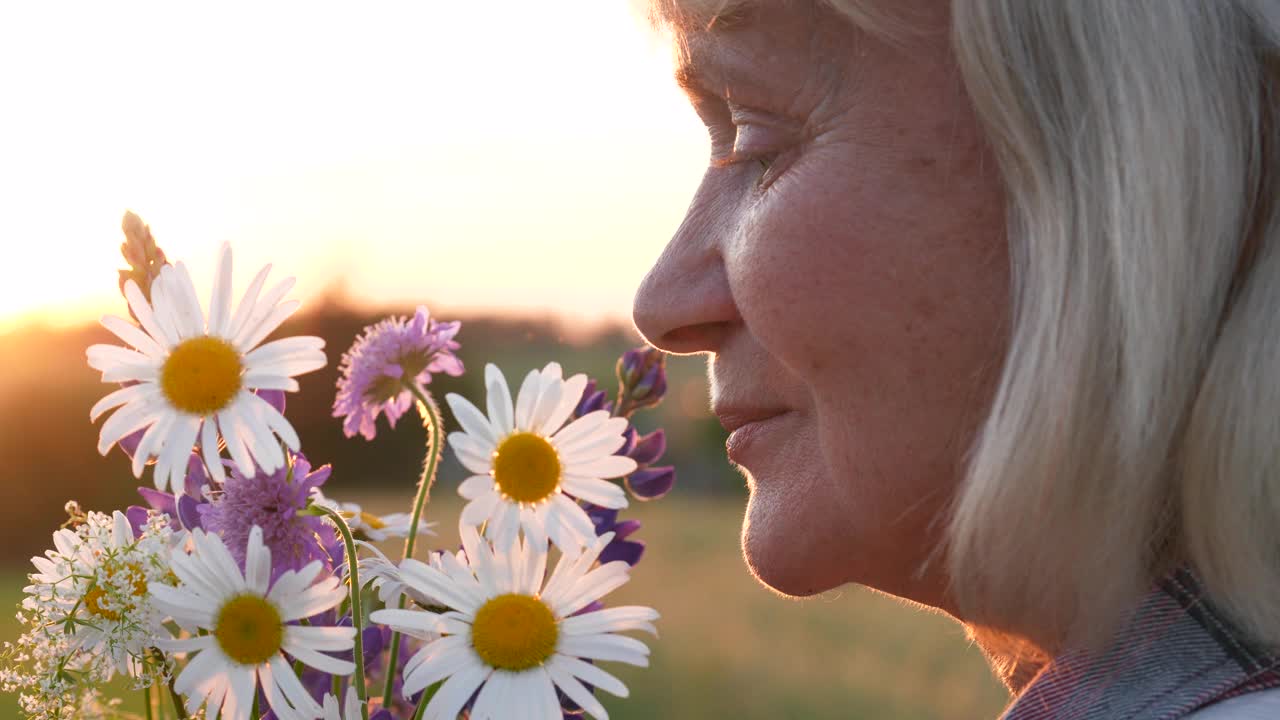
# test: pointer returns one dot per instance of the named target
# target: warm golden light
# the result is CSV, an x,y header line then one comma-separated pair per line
x,y
525,157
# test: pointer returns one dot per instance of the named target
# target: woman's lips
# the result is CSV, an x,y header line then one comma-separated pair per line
x,y
746,427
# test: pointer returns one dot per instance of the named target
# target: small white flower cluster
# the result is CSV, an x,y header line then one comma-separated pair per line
x,y
89,615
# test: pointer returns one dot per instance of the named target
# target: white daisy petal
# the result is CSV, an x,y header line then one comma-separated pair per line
x,y
323,639
592,674
247,303
399,620
548,401
199,672
212,456
229,425
125,421
144,392
584,427
476,485
614,619
479,509
115,360
142,310
607,466
473,422
220,298
473,456
575,690
275,421
527,398
455,692
268,325
324,663
269,381
162,306
238,703
257,563
293,689
598,492
570,396
130,333
151,440
492,699
598,444
501,413
434,667
293,583
190,312
616,648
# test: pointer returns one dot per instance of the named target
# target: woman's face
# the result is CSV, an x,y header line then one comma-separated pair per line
x,y
843,264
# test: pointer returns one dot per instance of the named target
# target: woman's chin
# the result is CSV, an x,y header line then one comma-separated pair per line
x,y
782,555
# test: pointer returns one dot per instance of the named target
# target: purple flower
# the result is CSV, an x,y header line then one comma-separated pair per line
x,y
183,510
642,375
378,368
620,548
272,502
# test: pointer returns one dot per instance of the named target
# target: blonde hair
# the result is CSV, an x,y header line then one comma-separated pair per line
x,y
1136,425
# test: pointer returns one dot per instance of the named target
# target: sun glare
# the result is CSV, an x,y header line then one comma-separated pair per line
x,y
538,153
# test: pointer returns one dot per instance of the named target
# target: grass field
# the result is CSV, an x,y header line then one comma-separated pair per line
x,y
731,649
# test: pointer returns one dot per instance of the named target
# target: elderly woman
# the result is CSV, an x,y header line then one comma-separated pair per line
x,y
990,291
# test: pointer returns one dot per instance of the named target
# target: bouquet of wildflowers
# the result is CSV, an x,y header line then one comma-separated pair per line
x,y
239,589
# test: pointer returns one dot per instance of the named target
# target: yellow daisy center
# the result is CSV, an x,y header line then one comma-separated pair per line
x,y
514,632
249,629
201,375
369,520
526,467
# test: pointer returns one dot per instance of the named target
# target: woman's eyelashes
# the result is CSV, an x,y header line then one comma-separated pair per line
x,y
750,138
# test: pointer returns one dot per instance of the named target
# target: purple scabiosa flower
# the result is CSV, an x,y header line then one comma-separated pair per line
x,y
383,361
272,501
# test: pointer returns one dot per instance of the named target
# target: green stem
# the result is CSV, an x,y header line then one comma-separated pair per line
x,y
146,694
430,413
426,698
357,619
179,708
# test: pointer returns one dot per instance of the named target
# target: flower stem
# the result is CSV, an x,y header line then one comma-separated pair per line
x,y
146,695
179,708
357,619
430,413
422,702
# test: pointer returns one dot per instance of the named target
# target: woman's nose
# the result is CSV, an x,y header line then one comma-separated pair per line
x,y
684,304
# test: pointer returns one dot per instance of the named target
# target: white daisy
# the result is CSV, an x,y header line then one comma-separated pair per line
x,y
514,638
525,458
244,626
366,525
192,378
350,709
377,570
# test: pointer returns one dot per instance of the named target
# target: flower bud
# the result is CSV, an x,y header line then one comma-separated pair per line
x,y
642,375
139,249
651,483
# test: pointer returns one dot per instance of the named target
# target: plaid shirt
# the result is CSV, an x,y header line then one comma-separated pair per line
x,y
1174,656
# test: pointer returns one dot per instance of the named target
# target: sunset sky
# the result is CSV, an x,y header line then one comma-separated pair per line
x,y
511,155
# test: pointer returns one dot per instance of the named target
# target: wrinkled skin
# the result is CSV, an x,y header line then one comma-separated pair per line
x,y
843,262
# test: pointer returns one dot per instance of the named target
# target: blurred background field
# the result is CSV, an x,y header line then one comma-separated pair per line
x,y
729,648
